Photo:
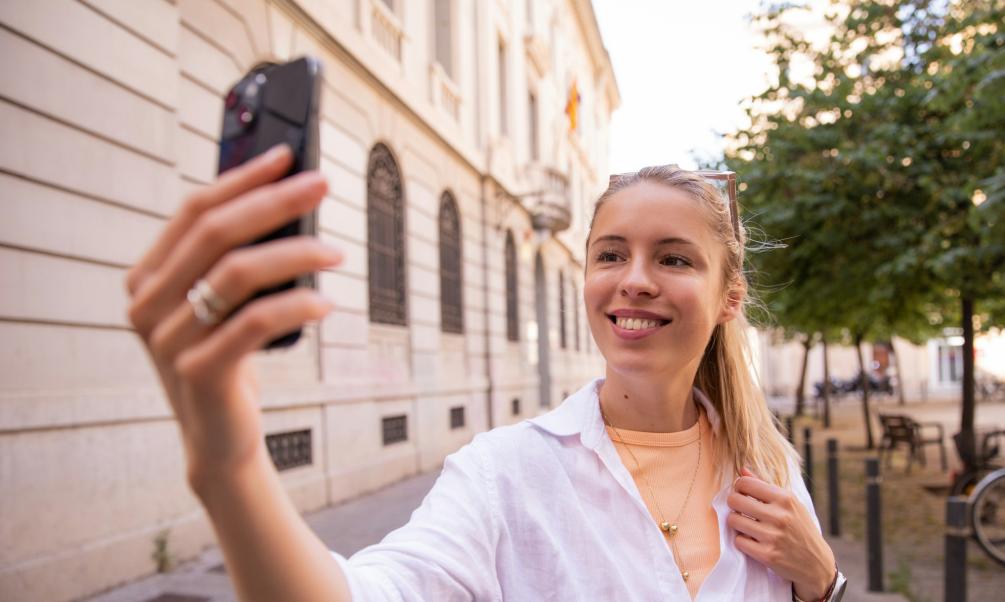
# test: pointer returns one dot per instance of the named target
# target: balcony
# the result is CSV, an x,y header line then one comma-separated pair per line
x,y
444,91
386,29
548,200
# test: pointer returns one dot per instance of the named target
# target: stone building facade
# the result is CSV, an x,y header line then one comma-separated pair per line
x,y
477,127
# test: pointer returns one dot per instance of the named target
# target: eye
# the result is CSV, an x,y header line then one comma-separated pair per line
x,y
607,256
675,261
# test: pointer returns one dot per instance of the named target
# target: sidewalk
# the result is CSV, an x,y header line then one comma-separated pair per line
x,y
353,525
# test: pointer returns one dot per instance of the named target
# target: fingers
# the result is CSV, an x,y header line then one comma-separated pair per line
x,y
216,232
265,168
743,504
259,322
755,487
235,278
755,549
750,527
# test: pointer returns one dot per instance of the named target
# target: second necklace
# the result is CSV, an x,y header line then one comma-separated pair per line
x,y
668,528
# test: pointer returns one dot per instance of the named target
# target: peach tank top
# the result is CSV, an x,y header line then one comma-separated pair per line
x,y
667,461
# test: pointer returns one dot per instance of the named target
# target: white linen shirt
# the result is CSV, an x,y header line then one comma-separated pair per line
x,y
545,510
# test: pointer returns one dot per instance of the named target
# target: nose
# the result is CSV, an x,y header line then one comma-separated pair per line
x,y
638,280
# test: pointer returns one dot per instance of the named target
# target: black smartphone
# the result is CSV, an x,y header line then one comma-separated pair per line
x,y
273,104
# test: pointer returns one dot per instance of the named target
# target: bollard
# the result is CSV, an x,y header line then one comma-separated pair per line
x,y
874,534
808,460
957,534
789,432
833,494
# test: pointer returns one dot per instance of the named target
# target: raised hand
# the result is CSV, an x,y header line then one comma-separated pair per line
x,y
205,367
773,527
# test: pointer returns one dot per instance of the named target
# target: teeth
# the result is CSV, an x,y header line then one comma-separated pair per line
x,y
636,323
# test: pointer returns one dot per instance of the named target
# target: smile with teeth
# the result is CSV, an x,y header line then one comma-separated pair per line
x,y
637,323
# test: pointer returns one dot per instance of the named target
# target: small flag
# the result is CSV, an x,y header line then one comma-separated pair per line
x,y
572,106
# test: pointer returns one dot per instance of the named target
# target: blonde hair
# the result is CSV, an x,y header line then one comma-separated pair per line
x,y
749,435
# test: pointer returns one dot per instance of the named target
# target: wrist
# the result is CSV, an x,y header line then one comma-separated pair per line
x,y
210,482
817,590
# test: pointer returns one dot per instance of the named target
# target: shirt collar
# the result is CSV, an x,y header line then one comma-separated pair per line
x,y
580,414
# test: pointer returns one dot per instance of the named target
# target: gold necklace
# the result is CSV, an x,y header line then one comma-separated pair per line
x,y
668,529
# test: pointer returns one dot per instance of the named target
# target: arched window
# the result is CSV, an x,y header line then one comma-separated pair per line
x,y
563,339
451,299
385,211
512,307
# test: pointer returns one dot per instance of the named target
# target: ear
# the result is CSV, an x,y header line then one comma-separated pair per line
x,y
733,304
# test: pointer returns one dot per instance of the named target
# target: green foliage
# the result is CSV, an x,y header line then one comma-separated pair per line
x,y
868,169
162,555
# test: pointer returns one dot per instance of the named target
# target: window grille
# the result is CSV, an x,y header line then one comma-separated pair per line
x,y
395,429
562,334
386,239
290,449
451,284
512,306
457,417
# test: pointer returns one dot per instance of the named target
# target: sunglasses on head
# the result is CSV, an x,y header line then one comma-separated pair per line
x,y
725,181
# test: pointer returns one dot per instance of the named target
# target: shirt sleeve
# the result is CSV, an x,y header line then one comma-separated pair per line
x,y
446,551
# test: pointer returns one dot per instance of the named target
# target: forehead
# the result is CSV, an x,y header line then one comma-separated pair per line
x,y
652,211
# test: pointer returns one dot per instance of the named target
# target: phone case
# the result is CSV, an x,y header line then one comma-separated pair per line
x,y
272,104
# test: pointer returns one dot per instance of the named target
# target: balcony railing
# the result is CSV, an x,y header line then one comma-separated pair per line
x,y
444,91
548,201
386,28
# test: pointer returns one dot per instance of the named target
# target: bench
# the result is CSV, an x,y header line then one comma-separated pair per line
x,y
904,431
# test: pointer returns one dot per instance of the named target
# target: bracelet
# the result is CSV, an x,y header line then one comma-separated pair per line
x,y
827,594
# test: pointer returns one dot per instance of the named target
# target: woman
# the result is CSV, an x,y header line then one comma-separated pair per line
x,y
666,480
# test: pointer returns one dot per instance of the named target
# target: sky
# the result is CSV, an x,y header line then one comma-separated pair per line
x,y
683,67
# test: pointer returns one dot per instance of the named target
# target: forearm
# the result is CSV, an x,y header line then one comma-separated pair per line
x,y
270,552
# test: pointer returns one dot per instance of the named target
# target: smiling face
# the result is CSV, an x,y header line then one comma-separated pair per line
x,y
655,286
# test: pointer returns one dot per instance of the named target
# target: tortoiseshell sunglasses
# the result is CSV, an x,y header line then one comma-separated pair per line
x,y
725,181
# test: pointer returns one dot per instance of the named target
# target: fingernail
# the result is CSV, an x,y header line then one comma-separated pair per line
x,y
277,151
332,254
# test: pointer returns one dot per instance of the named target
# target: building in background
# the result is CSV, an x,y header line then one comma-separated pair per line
x,y
932,371
464,142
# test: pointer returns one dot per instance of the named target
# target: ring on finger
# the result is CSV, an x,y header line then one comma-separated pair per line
x,y
208,307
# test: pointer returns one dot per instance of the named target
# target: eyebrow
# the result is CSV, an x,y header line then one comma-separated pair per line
x,y
665,241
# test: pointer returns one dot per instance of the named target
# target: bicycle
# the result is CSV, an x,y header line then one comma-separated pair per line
x,y
987,514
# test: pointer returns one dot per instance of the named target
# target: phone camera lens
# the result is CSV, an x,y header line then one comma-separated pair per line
x,y
245,116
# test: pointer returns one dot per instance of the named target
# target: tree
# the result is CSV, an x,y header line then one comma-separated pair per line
x,y
868,171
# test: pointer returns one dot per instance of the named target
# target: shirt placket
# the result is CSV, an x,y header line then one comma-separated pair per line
x,y
670,582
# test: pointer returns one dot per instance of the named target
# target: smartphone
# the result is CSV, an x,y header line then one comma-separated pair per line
x,y
272,104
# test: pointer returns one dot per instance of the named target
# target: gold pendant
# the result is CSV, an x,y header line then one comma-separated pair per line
x,y
668,528
685,574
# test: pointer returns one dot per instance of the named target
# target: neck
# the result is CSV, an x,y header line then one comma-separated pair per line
x,y
658,405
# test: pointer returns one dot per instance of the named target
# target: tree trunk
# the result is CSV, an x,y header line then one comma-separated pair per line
x,y
801,389
827,388
967,444
900,375
864,383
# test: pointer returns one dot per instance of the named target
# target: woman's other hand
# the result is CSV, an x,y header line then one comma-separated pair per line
x,y
205,369
773,527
